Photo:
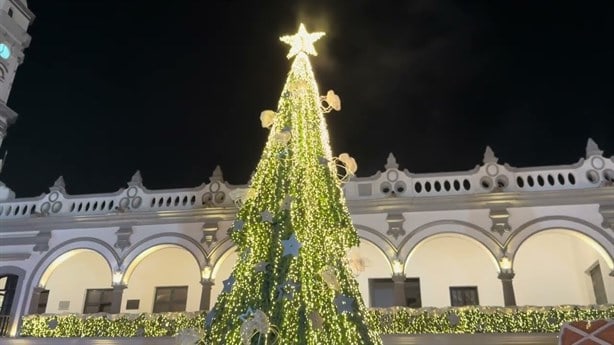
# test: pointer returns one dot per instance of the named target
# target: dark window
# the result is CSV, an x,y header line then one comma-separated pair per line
x,y
171,298
382,292
132,304
464,295
8,286
98,301
42,302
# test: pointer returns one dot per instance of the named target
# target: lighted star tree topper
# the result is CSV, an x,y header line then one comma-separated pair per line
x,y
292,283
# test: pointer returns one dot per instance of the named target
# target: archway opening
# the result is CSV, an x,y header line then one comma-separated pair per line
x,y
161,279
559,266
454,269
78,281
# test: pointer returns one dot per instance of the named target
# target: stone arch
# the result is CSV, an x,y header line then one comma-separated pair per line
x,y
85,269
162,265
85,243
219,254
375,237
416,237
379,249
66,249
563,261
154,243
449,260
596,237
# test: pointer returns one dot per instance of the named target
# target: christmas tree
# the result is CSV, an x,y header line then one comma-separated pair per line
x,y
292,283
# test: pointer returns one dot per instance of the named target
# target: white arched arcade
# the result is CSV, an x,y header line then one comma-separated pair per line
x,y
452,260
559,266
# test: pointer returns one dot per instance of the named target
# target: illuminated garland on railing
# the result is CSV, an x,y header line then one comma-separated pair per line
x,y
396,320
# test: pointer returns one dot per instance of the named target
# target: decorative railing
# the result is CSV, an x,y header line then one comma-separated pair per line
x,y
135,198
593,172
5,322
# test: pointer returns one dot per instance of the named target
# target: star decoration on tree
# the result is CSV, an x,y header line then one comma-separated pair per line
x,y
453,319
344,304
238,224
267,216
302,41
291,246
228,283
52,324
248,313
262,266
210,316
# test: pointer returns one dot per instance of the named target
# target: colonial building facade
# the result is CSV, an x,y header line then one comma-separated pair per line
x,y
495,235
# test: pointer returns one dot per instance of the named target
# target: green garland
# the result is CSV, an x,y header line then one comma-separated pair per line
x,y
109,325
469,320
396,320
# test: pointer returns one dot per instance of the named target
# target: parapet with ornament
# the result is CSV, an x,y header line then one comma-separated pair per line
x,y
394,210
593,171
488,182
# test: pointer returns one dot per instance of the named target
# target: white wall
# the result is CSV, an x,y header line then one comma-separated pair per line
x,y
81,270
169,266
550,269
442,261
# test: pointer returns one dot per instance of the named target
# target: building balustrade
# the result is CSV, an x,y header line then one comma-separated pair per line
x,y
491,177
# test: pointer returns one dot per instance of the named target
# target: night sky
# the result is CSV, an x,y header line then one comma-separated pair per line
x,y
175,88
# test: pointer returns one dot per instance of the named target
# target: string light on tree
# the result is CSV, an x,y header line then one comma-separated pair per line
x,y
292,283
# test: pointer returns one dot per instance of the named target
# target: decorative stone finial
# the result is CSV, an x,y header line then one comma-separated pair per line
x,y
6,193
489,156
391,162
592,149
136,179
217,175
59,185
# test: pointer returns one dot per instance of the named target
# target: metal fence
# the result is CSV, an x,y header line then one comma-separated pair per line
x,y
5,322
